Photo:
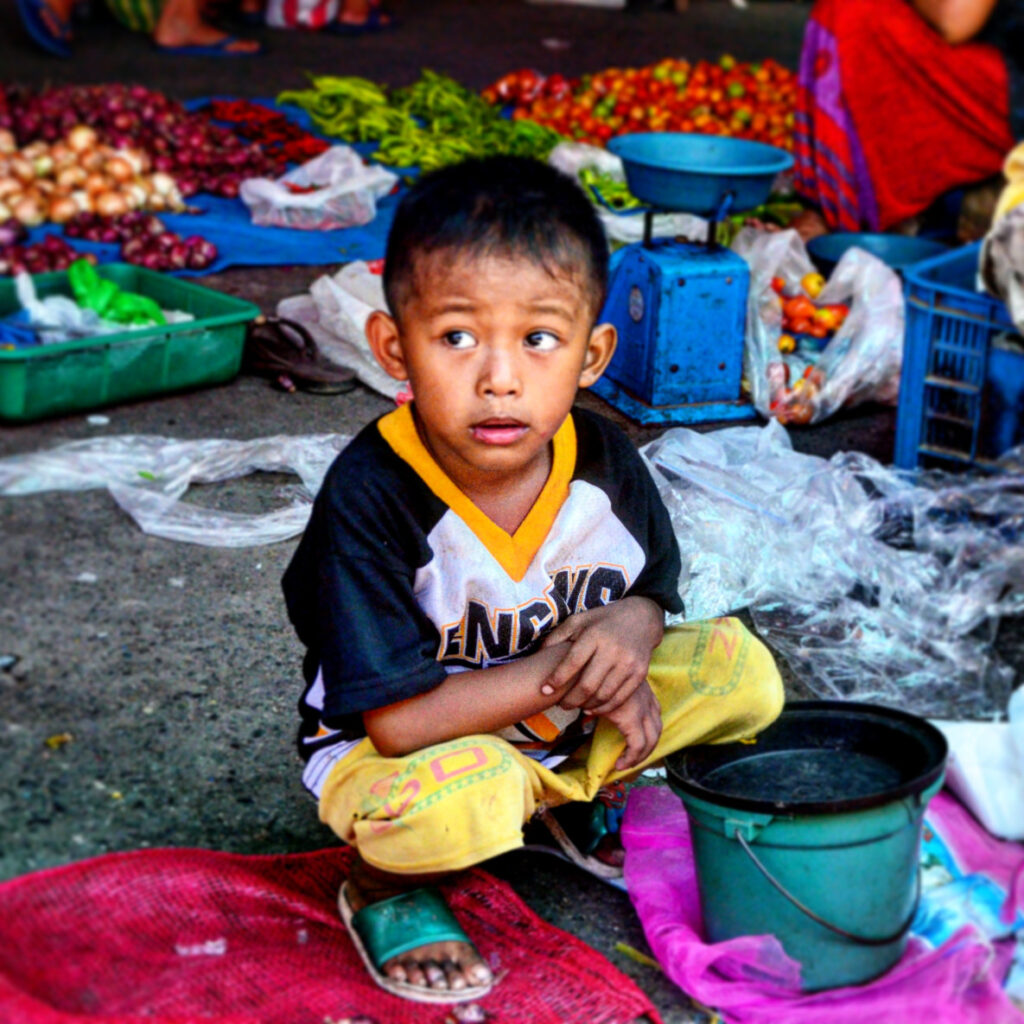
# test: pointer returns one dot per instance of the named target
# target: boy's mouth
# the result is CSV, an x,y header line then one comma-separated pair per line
x,y
499,430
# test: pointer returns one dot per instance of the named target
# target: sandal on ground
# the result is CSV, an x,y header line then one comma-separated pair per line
x,y
286,352
576,832
221,48
404,922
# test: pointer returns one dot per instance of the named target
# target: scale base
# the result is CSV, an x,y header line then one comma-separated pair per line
x,y
692,412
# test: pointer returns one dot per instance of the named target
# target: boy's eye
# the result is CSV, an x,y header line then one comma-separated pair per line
x,y
541,341
459,339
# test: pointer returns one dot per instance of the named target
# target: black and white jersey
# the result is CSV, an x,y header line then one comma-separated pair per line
x,y
400,579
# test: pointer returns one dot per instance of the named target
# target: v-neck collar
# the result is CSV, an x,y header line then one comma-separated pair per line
x,y
514,552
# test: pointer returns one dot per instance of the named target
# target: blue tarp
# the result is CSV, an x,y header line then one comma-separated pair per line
x,y
227,224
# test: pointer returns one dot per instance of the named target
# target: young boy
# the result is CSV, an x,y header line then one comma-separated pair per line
x,y
483,583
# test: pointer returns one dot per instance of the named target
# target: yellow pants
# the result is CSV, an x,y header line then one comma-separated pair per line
x,y
455,804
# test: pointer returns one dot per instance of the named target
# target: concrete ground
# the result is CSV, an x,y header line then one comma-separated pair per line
x,y
168,673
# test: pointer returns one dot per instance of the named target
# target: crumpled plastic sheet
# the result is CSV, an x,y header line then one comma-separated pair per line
x,y
874,584
148,477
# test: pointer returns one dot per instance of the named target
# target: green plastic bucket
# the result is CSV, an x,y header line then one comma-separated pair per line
x,y
812,834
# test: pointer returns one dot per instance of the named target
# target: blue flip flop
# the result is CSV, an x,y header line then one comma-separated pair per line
x,y
221,49
57,43
376,21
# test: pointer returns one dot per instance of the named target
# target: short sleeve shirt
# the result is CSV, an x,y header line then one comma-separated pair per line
x,y
399,579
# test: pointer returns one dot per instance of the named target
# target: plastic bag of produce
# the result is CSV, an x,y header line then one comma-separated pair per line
x,y
334,190
809,352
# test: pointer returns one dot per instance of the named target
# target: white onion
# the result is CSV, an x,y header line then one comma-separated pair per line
x,y
29,211
62,210
82,138
72,176
118,168
96,182
22,169
110,204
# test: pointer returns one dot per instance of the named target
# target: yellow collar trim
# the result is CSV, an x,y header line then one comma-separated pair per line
x,y
513,552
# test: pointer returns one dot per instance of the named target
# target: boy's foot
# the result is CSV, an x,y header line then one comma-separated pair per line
x,y
384,916
587,834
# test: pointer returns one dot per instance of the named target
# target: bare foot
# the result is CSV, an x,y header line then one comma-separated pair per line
x,y
437,965
181,24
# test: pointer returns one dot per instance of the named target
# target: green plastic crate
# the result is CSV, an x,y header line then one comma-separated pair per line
x,y
73,376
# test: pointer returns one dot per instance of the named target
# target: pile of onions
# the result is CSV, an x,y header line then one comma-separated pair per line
x,y
53,181
200,155
145,241
52,253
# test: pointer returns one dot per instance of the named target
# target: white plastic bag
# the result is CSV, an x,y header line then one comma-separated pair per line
x,y
57,317
148,476
986,771
862,360
335,311
344,193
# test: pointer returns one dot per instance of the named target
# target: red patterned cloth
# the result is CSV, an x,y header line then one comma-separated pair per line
x,y
890,116
189,936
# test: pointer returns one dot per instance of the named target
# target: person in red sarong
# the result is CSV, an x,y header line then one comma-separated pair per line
x,y
903,100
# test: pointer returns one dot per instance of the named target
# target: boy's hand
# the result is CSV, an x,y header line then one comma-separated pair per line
x,y
609,654
639,721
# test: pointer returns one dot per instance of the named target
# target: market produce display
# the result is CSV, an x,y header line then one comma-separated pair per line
x,y
269,129
52,182
433,122
18,256
97,161
747,100
145,241
198,154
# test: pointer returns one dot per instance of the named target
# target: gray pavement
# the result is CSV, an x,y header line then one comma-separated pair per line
x,y
165,675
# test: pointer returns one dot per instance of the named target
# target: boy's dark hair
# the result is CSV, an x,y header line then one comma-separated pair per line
x,y
504,205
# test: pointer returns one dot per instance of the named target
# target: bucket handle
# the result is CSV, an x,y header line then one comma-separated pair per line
x,y
863,940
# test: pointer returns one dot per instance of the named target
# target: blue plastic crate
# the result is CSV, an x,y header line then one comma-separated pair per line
x,y
962,386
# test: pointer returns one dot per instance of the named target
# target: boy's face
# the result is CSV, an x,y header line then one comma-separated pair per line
x,y
494,348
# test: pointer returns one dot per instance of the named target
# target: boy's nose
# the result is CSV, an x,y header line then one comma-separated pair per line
x,y
500,375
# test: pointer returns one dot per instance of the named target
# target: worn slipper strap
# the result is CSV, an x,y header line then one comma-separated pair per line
x,y
406,921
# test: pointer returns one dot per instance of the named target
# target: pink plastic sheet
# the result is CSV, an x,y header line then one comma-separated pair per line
x,y
750,980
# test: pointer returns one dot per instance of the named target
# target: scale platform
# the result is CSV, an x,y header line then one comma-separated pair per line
x,y
680,307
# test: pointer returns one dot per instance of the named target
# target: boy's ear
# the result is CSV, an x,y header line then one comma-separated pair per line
x,y
385,344
600,349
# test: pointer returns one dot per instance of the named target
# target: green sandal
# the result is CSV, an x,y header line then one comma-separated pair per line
x,y
394,926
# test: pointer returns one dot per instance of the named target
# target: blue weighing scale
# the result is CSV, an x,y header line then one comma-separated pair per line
x,y
680,307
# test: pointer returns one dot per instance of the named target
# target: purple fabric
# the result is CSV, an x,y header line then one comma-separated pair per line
x,y
751,981
819,79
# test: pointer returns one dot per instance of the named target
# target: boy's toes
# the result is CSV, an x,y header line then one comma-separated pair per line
x,y
478,973
435,975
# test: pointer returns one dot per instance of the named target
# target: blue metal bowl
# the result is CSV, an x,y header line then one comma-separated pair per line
x,y
896,251
693,173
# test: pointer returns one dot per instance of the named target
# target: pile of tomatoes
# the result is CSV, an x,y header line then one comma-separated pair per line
x,y
801,315
727,97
